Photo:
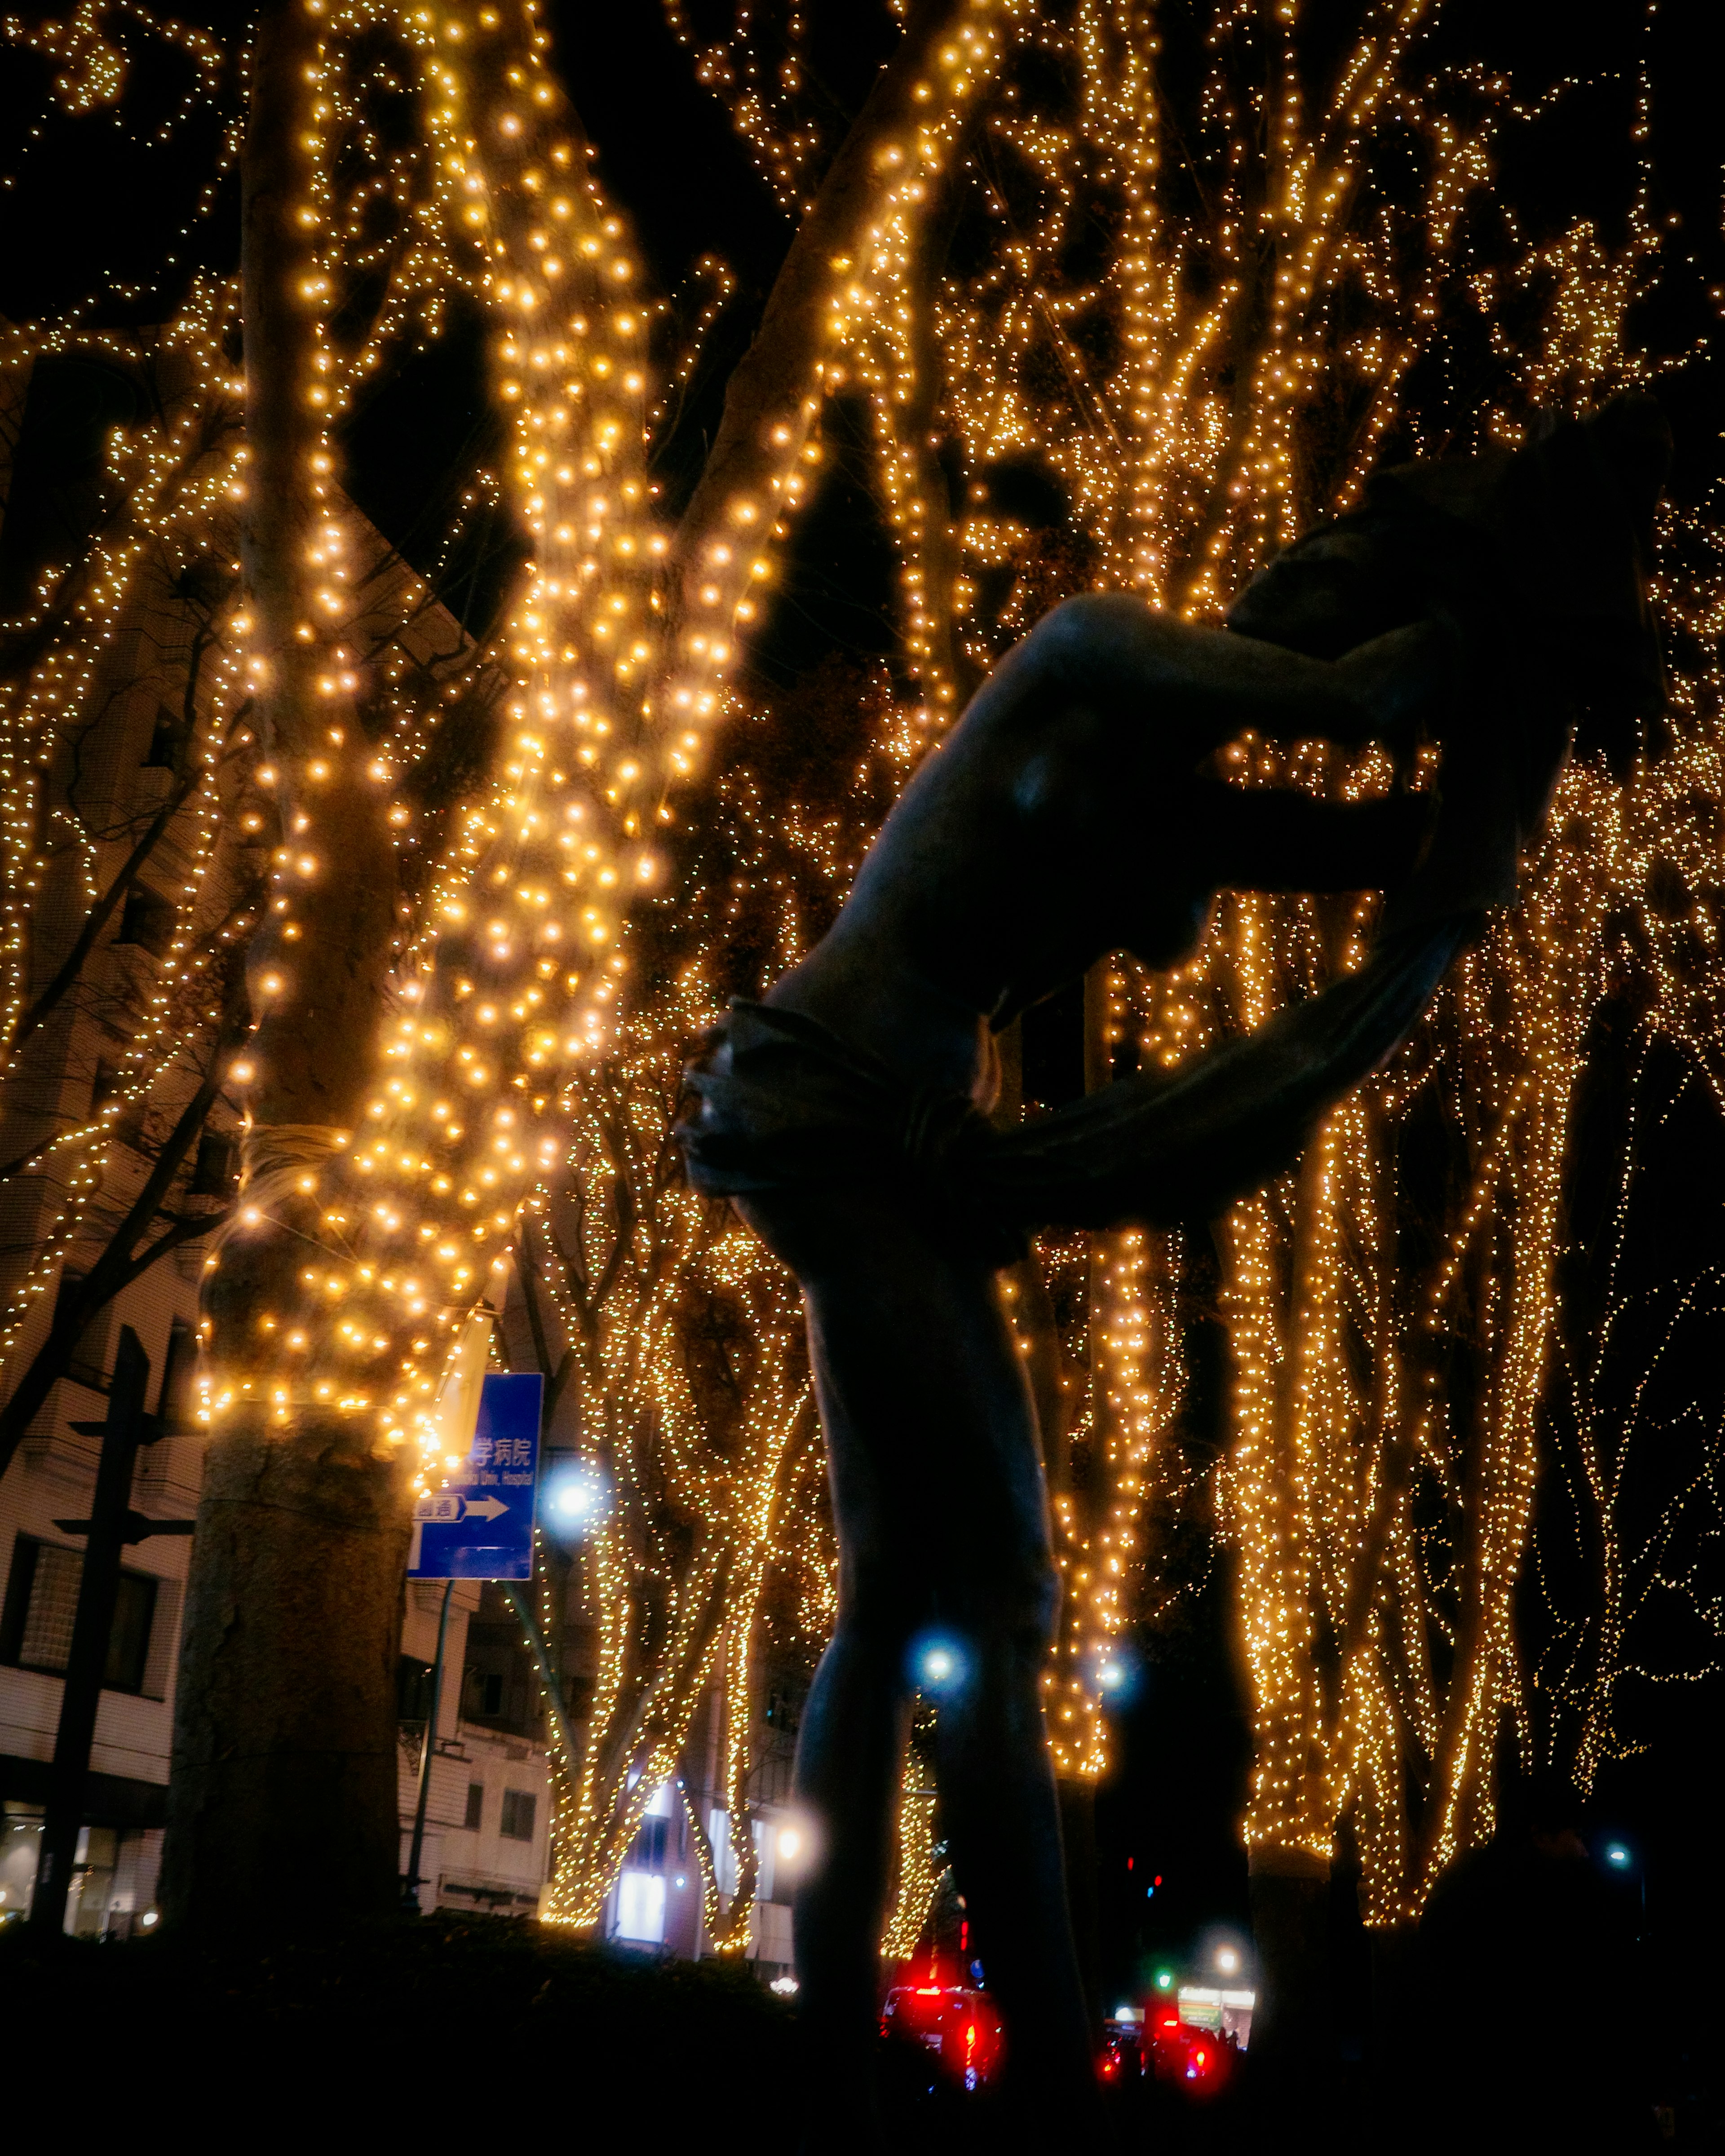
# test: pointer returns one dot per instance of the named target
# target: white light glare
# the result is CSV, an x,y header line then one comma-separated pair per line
x,y
572,1496
939,1666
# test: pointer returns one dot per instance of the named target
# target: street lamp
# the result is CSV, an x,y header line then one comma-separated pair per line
x,y
572,1496
939,1664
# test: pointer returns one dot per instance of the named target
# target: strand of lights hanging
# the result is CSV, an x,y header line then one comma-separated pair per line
x,y
1190,470
919,1872
1176,487
160,513
91,70
647,1438
1143,454
1179,499
172,481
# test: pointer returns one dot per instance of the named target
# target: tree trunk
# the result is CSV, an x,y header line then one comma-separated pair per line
x,y
282,1807
1077,1794
1292,2046
777,379
284,1759
282,1802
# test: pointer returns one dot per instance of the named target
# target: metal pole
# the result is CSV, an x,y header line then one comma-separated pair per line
x,y
410,1885
92,1627
518,1602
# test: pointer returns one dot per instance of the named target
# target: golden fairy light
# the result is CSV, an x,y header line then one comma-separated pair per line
x,y
1176,488
174,482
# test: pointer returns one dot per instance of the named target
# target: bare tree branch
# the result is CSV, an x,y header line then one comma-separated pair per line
x,y
117,1267
102,912
776,373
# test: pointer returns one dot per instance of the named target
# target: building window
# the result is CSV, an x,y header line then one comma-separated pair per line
x,y
413,1688
167,740
640,1906
476,1807
129,1642
217,1169
176,1403
649,1845
147,919
499,1685
519,1806
42,1605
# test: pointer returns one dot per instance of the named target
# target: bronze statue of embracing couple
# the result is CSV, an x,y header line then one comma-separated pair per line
x,y
1495,605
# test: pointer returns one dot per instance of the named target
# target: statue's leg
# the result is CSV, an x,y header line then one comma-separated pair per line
x,y
849,1753
1003,1824
942,1526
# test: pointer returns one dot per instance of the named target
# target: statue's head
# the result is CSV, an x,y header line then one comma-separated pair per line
x,y
1540,554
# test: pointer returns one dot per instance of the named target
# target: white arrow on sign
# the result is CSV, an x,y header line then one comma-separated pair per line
x,y
486,1508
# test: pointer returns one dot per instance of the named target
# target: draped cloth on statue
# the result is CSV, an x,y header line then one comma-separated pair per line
x,y
779,1101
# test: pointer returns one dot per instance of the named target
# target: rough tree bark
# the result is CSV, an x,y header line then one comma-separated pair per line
x,y
283,1793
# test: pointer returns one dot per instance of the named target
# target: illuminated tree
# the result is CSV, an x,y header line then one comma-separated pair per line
x,y
1125,297
124,917
403,1169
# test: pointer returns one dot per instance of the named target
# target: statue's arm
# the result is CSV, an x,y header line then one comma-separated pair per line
x,y
1195,688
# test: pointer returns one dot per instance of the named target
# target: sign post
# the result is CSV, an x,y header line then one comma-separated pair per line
x,y
98,1591
479,1526
410,1885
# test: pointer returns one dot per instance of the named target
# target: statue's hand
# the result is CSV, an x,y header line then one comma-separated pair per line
x,y
1403,685
1499,769
1330,591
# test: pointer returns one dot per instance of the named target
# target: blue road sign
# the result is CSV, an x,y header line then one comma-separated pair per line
x,y
479,1525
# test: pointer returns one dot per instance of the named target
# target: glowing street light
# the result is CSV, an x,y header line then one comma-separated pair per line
x,y
940,1665
572,1496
